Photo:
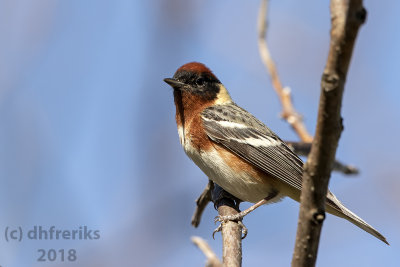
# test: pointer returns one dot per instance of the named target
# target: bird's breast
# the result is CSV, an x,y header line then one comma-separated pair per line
x,y
232,173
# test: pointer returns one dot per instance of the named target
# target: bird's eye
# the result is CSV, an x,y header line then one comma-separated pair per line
x,y
200,81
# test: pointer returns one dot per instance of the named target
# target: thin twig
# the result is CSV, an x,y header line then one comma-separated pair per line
x,y
346,18
201,203
345,168
288,111
303,149
212,259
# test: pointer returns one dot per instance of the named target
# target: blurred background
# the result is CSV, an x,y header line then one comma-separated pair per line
x,y
88,135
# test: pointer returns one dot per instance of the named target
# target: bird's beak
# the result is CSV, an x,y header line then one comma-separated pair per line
x,y
174,83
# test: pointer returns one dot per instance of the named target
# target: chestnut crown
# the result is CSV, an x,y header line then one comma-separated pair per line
x,y
196,78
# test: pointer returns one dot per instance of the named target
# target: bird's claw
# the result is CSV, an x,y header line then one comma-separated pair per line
x,y
218,229
244,229
236,218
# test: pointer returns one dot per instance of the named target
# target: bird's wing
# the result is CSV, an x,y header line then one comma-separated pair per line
x,y
240,132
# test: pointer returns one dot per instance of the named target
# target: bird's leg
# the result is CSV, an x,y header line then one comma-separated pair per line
x,y
221,197
240,215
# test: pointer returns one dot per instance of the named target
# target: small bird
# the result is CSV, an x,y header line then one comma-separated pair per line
x,y
236,150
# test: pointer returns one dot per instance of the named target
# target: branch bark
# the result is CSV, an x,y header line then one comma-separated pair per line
x,y
346,18
231,230
231,238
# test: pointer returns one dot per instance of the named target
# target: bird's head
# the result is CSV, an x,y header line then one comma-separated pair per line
x,y
196,80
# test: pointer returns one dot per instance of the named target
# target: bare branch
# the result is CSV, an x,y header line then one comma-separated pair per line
x,y
288,111
201,203
346,18
231,238
212,259
231,230
345,168
303,149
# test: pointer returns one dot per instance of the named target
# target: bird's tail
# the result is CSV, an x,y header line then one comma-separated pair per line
x,y
335,207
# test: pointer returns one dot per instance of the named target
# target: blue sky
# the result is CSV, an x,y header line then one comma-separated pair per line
x,y
88,136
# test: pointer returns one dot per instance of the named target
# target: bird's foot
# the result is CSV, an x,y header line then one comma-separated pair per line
x,y
235,218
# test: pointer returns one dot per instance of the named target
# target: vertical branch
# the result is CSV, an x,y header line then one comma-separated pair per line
x,y
231,238
346,18
231,230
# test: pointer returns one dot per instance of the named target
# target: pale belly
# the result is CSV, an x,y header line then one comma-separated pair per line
x,y
240,184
